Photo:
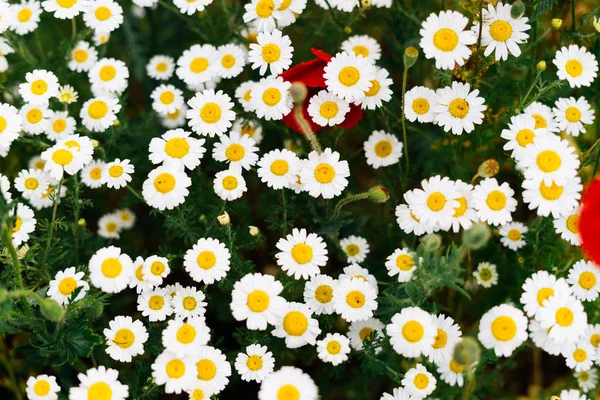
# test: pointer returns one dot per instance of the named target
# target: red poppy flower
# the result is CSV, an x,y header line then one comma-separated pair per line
x,y
310,73
589,221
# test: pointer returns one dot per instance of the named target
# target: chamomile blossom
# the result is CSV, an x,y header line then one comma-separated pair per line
x,y
207,261
552,199
579,356
229,184
459,108
91,174
185,337
379,92
97,383
503,328
64,285
382,149
176,373
189,302
32,183
486,274
178,149
270,98
26,16
210,113
155,269
538,288
401,263
451,372
109,226
551,159
110,269
243,94
155,303
448,335
213,369
567,226
520,133
117,174
35,118
333,348
349,76
7,16
239,151
511,235
160,67
262,13
23,225
67,94
40,85
544,118
5,188
571,394
103,15
409,223
356,248
190,7
366,330
166,187
11,122
540,338
493,202
324,174
354,299
288,383
197,64
563,317
584,279
419,382
231,60
42,387
125,338
587,380
572,114
249,128
256,299
326,109
355,271
272,51
301,254
288,11
109,75
61,159
99,113
576,65
166,99
435,203
362,45
420,104
60,125
255,363
318,294
279,169
296,325
101,37
83,57
412,332
48,197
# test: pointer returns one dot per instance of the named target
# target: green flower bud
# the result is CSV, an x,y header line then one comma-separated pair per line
x,y
254,231
378,194
366,3
298,92
517,9
556,23
94,311
51,310
411,54
541,66
431,242
467,352
477,237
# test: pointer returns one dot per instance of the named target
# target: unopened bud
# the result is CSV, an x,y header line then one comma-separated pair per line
x,y
298,92
517,9
22,251
254,231
51,310
224,219
541,66
488,168
411,54
378,194
366,3
467,352
82,222
431,242
477,237
117,122
596,23
348,30
95,143
556,23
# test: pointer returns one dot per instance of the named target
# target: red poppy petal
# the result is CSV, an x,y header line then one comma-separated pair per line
x,y
352,117
589,222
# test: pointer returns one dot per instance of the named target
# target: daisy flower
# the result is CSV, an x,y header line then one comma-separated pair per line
x,y
175,148
318,294
539,336
356,248
67,94
155,304
272,51
448,335
435,203
137,279
196,392
362,45
587,380
288,383
207,261
185,338
412,332
333,348
420,102
544,118
109,75
288,10
511,235
117,174
501,33
60,159
101,37
155,269
32,183
563,317
255,364
5,188
82,145
176,373
243,94
160,67
11,122
576,65
409,223
486,275
210,113
42,387
402,263
126,218
64,9
212,369
355,271
354,299
7,16
279,168
459,109
349,76
109,226
493,202
571,394
110,269
39,87
326,109
262,13
568,227
239,151
270,98
538,288
382,149
398,393
452,372
166,99
35,118
99,113
443,37
324,174
521,132
175,119
60,125
229,185
47,199
189,303
91,174
579,356
552,199
103,15
249,128
503,328
360,332
419,382
379,92
166,187
26,16
232,59
256,299
301,254
550,159
571,114
296,325
464,215
64,284
125,338
97,382
584,279
197,64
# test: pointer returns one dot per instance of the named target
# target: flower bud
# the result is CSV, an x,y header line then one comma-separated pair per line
x,y
556,23
541,66
378,194
431,242
366,3
117,122
467,352
517,9
51,310
254,231
298,92
347,30
488,168
596,23
95,143
22,251
411,54
224,219
477,237
82,222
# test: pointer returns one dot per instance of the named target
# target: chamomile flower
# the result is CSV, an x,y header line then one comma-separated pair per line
x,y
175,148
212,369
355,271
567,226
109,226
155,304
47,199
587,380
270,98
160,67
398,393
60,159
419,382
166,187
288,11
333,348
544,118
64,9
443,37
32,183
354,299
279,168
5,188
288,383
197,64
239,151
412,332
176,373
326,109
345,5
435,203
551,160
207,261
379,92
255,364
103,15
318,294
189,303
448,335
521,132
296,325
101,37
11,122
511,235
229,185
64,285
126,218
576,65
459,108
7,16
571,394
563,317
125,338
231,60
91,174
356,248
486,274
210,113
40,85
301,254
362,45
166,99
191,7
256,299
60,125
552,199
109,75
493,202
99,113
409,223
26,16
137,279
272,51
97,383
117,174
35,118
420,104
324,174
67,94
185,338
501,33
464,215
110,269
579,356
175,119
262,13
571,114
451,372
402,263
196,392
42,387
361,331
349,76
503,328
249,128
155,269
243,94
382,149
36,162
538,288
584,279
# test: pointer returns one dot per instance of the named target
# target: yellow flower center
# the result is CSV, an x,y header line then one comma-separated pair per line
x,y
580,355
456,367
248,95
206,259
573,223
189,303
328,109
157,268
462,208
111,267
404,262
156,302
175,369
279,167
496,200
383,148
173,115
413,331
167,97
374,89
504,328
206,369
254,363
80,55
500,31
355,299
295,323
67,286
31,183
445,40
235,152
18,224
199,65
595,340
334,347
186,334
108,73
348,76
421,381
440,339
124,338
271,53
540,122
247,130
544,294
271,96
103,13
24,15
514,235
228,61
62,157
573,114
485,274
352,250
138,273
210,113
324,294
115,171
324,173
164,182
39,87
34,115
2,124
264,8
97,109
96,173
365,333
177,147
587,280
258,301
361,51
41,387
285,4
564,316
552,192
112,227
420,106
525,137
574,68
100,391
459,108
288,392
302,253
230,182
548,161
161,66
59,125
436,201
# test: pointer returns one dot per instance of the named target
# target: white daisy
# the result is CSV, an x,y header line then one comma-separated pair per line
x,y
109,75
210,113
333,348
571,394
435,203
567,226
109,226
521,132
26,16
40,85
511,235
459,109
318,294
402,263
409,223
273,50
166,99
412,332
103,15
448,335
189,302
185,338
190,7
155,304
382,149
326,109
60,159
42,387
176,373
91,174
255,364
379,91
262,13
584,279
501,33
301,254
494,202
576,65
587,380
117,174
538,288
270,98
32,183
296,325
563,317
110,269
229,185
362,45
360,332
288,11
64,9
60,125
249,128
175,148
239,151
99,113
324,174
243,94
503,328
279,168
35,118
550,159
451,372
419,382
97,383
175,119
349,76
64,284
579,356
11,122
571,114
354,299
420,104
552,199
166,187
155,269
197,64
231,60
486,274
288,383
544,118
125,338
212,369
207,261
160,67
355,271
256,299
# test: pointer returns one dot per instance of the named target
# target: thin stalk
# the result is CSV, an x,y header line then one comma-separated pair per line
x,y
574,24
73,29
533,84
310,135
135,193
16,265
403,120
52,225
284,209
470,384
348,200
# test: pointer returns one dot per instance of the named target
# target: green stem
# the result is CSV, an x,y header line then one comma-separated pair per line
x,y
52,225
403,119
574,24
16,265
73,29
535,81
284,209
348,200
135,193
305,126
470,384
